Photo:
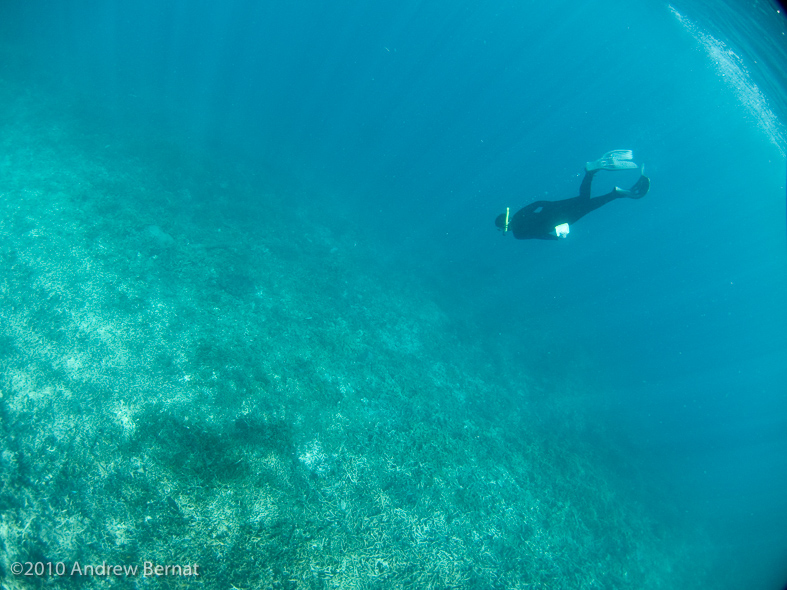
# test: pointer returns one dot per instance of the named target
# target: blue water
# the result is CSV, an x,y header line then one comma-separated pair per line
x,y
406,128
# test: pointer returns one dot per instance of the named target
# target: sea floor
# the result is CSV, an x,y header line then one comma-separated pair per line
x,y
195,372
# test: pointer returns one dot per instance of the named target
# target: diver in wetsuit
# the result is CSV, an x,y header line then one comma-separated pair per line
x,y
550,220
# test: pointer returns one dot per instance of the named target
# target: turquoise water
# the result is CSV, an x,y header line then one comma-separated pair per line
x,y
257,321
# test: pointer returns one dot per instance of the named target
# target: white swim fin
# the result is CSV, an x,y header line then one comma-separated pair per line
x,y
614,160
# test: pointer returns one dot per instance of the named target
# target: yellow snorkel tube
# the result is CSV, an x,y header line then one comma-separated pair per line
x,y
505,229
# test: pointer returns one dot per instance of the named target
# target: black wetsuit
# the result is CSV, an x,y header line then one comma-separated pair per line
x,y
538,220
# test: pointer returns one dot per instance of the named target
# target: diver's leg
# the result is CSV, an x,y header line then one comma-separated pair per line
x,y
597,202
584,188
581,206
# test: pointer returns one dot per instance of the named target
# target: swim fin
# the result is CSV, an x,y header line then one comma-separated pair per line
x,y
639,190
614,160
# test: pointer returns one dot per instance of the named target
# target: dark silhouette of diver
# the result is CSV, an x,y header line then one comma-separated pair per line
x,y
550,220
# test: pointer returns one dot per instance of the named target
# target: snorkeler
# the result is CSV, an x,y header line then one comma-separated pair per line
x,y
550,220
